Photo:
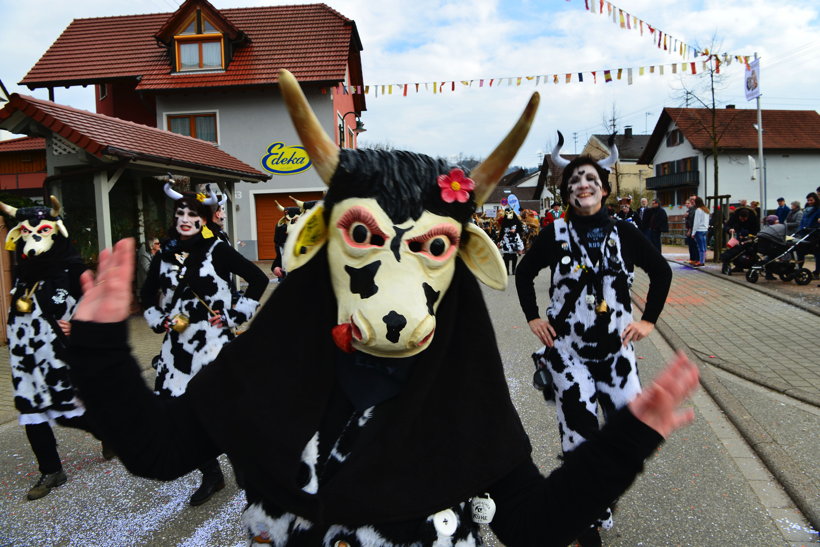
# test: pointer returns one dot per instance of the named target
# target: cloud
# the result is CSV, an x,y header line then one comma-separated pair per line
x,y
446,41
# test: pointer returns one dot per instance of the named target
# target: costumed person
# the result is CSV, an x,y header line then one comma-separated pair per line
x,y
46,291
589,330
532,225
188,296
280,236
216,220
511,246
387,409
553,214
625,211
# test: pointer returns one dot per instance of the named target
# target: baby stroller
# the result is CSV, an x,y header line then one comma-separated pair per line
x,y
740,257
781,259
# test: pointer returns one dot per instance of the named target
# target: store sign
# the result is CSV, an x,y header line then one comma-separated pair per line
x,y
282,159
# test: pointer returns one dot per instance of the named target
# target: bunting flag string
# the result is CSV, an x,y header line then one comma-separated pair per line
x,y
709,61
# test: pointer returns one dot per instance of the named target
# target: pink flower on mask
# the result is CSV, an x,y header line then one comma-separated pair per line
x,y
455,186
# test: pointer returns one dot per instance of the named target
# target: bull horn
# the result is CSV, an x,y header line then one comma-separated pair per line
x,y
171,193
211,199
322,151
608,162
556,153
56,207
279,206
489,172
8,209
299,204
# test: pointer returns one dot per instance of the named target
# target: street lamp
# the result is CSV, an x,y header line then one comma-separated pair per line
x,y
356,130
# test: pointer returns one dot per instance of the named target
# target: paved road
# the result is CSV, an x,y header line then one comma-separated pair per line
x,y
705,486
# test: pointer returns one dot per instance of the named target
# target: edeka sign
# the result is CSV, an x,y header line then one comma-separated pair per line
x,y
285,160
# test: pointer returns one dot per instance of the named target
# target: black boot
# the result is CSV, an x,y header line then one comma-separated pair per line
x,y
590,538
212,482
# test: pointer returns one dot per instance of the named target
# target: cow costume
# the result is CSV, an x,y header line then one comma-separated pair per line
x,y
372,417
280,236
589,354
188,295
46,291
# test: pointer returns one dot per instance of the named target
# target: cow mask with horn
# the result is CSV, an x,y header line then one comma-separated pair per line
x,y
191,211
37,226
393,224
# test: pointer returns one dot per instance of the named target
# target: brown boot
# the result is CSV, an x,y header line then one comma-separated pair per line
x,y
45,483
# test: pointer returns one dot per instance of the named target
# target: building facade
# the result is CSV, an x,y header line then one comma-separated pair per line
x,y
212,74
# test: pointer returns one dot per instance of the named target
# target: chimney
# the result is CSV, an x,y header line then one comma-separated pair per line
x,y
628,131
730,107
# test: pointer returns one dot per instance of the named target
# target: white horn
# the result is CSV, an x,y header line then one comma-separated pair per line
x,y
56,208
171,193
608,162
556,153
8,209
211,199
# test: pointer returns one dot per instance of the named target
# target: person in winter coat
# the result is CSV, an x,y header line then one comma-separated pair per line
x,y
700,227
794,217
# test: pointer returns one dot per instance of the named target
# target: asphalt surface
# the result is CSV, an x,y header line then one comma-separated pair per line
x,y
745,473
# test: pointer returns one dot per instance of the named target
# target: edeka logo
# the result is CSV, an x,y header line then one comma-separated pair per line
x,y
285,160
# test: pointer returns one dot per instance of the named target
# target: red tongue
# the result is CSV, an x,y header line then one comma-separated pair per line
x,y
343,337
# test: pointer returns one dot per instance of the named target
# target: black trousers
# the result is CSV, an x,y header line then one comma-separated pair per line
x,y
510,259
44,444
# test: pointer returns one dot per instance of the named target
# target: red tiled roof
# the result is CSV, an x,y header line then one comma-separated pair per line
x,y
23,144
311,40
782,129
103,135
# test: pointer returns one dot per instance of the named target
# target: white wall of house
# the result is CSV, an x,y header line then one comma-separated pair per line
x,y
790,175
248,122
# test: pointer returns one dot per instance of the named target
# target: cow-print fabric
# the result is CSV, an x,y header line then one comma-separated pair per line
x,y
589,365
287,529
184,354
42,389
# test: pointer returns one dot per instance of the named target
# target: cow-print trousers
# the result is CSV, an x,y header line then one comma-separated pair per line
x,y
580,389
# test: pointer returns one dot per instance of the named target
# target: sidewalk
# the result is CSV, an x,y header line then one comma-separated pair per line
x,y
765,335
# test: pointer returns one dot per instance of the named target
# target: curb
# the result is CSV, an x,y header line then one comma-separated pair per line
x,y
794,481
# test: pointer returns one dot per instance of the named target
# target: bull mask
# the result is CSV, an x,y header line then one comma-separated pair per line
x,y
389,277
36,226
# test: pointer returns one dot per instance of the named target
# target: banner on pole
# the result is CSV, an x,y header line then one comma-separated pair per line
x,y
752,80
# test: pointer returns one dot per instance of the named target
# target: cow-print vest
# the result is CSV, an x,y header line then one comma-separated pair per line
x,y
584,325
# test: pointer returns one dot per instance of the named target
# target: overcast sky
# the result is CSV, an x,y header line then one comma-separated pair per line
x,y
469,40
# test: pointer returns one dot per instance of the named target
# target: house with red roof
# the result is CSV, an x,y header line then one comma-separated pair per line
x,y
23,165
109,173
212,74
681,149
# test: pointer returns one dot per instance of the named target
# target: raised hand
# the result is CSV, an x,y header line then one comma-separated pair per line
x,y
658,405
107,296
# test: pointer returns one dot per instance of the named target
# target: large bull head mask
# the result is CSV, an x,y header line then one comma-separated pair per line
x,y
393,224
36,226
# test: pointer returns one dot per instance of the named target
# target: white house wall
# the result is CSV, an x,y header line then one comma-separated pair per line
x,y
788,175
248,122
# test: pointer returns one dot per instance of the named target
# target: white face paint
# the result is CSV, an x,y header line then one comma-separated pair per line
x,y
586,191
389,279
188,223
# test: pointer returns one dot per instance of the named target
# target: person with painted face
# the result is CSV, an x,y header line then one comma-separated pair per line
x,y
188,296
589,330
45,294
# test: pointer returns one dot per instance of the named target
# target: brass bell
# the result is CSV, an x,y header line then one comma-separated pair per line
x,y
601,307
24,304
180,322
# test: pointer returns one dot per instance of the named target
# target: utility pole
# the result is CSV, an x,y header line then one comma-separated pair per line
x,y
574,142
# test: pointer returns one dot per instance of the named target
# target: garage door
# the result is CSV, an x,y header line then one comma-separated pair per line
x,y
268,214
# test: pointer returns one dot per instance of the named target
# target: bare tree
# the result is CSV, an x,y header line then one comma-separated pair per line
x,y
703,92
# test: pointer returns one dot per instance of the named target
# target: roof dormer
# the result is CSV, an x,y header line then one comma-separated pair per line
x,y
199,38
